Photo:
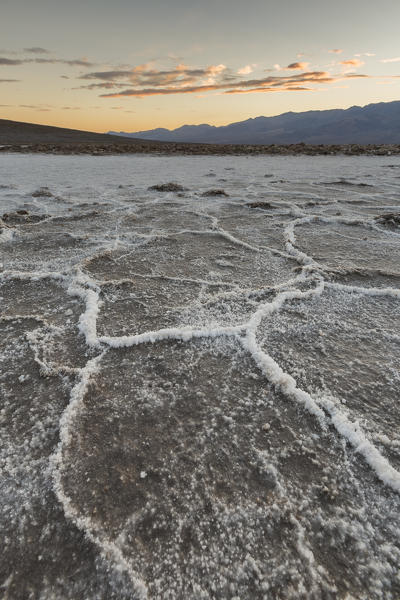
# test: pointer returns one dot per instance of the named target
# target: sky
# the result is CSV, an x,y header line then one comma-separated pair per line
x,y
128,65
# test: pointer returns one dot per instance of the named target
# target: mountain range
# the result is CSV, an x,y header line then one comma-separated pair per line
x,y
372,124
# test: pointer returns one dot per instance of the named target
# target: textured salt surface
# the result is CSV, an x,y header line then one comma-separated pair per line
x,y
199,393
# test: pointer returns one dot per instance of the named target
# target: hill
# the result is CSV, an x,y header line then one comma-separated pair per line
x,y
16,132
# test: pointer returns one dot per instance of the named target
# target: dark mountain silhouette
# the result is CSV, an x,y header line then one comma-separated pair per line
x,y
16,132
371,124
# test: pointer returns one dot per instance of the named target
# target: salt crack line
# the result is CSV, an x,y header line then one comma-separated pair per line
x,y
84,279
220,232
88,319
350,431
214,283
287,384
353,434
277,303
283,381
274,373
277,252
247,293
290,238
306,553
28,317
236,240
173,333
290,241
32,275
391,292
39,340
107,547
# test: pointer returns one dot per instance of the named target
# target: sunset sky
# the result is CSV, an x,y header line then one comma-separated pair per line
x,y
130,65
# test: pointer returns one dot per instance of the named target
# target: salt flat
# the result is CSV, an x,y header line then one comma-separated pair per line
x,y
199,390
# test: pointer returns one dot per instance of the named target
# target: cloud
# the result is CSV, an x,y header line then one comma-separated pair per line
x,y
5,51
267,84
336,51
37,50
36,107
147,79
390,60
216,68
109,75
9,80
266,89
352,62
76,62
246,70
365,54
297,66
10,61
94,86
211,74
147,76
355,76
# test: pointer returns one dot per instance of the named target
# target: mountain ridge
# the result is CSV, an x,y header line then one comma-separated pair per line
x,y
377,123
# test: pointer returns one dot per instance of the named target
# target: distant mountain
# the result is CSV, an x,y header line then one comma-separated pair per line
x,y
371,124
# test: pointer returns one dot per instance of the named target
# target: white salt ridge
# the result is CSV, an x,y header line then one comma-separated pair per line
x,y
353,434
88,320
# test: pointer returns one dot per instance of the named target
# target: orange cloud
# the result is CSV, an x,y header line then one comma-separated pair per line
x,y
234,86
336,51
296,88
352,62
